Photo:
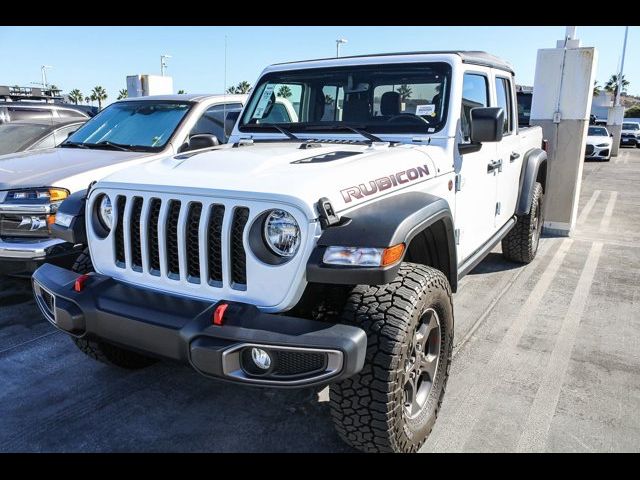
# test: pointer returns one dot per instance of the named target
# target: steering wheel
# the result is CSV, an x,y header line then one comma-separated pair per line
x,y
408,116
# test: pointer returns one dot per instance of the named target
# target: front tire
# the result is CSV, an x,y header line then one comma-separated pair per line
x,y
102,351
521,243
393,403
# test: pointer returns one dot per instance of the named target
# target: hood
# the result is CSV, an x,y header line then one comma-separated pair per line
x,y
598,139
346,174
48,167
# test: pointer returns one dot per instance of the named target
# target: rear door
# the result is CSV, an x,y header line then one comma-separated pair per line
x,y
475,185
509,155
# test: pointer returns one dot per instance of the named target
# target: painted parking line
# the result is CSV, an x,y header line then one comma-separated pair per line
x,y
608,212
587,208
536,430
463,420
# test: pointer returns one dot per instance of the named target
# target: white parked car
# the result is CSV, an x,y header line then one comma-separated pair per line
x,y
630,134
599,142
127,132
320,249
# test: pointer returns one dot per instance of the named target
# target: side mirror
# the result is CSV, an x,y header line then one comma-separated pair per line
x,y
611,135
486,124
203,140
230,122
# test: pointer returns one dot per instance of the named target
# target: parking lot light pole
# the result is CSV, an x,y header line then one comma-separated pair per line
x,y
43,69
163,63
624,51
340,41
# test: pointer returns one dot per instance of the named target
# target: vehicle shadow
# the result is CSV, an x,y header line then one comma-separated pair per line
x,y
494,262
14,291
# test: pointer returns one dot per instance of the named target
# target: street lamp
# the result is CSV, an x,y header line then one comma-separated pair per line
x,y
624,51
43,69
339,42
163,64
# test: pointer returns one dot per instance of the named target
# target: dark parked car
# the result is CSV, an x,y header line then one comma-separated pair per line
x,y
30,135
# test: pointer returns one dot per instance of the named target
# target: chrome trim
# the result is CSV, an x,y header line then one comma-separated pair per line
x,y
28,249
231,364
25,208
37,289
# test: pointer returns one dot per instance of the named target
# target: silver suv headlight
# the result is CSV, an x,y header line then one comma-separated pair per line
x,y
282,233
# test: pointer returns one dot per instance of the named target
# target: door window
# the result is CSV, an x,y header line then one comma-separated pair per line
x,y
475,93
503,94
212,120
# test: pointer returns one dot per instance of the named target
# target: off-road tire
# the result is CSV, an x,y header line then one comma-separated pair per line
x,y
112,355
521,243
83,263
368,409
102,351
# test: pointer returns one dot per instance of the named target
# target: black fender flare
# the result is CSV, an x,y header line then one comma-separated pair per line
x,y
531,163
73,205
381,224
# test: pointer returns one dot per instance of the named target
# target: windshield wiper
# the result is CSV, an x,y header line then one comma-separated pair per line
x,y
73,145
359,130
112,145
276,127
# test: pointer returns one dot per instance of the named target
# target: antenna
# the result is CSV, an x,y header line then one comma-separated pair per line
x,y
224,91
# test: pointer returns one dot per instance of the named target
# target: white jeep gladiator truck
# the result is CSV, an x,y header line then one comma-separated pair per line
x,y
318,251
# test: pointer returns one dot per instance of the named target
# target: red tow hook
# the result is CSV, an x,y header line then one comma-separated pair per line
x,y
218,314
79,283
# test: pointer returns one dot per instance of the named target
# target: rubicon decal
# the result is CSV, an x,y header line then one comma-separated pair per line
x,y
384,183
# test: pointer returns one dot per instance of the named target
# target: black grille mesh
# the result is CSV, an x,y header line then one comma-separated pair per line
x,y
214,232
193,243
589,149
120,258
290,363
136,246
152,233
238,256
173,265
48,300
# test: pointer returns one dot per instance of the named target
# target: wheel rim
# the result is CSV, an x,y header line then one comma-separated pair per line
x,y
421,364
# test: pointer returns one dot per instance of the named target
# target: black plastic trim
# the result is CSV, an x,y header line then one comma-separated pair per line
x,y
476,257
530,167
75,233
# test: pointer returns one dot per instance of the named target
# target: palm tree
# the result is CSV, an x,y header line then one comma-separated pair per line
x,y
612,85
328,99
232,90
87,100
405,91
75,96
243,87
284,91
596,88
100,94
181,92
123,93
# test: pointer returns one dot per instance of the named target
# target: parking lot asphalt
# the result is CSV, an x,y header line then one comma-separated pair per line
x,y
547,358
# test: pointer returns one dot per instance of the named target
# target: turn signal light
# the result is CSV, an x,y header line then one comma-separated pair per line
x,y
392,254
78,285
218,314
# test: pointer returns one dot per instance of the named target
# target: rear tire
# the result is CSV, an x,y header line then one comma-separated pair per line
x,y
521,243
393,403
102,351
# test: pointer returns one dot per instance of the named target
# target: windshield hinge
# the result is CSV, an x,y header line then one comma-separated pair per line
x,y
458,182
326,213
243,142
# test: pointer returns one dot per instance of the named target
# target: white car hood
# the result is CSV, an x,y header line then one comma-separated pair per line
x,y
282,171
598,139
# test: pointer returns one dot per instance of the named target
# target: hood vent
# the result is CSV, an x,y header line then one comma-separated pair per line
x,y
327,157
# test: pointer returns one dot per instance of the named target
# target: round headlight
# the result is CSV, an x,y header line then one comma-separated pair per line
x,y
105,212
281,233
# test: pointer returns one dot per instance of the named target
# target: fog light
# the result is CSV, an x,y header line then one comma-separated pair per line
x,y
261,358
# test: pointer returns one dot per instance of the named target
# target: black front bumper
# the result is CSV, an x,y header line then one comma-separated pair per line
x,y
181,329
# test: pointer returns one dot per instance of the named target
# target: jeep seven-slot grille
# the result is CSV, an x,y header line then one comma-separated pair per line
x,y
176,241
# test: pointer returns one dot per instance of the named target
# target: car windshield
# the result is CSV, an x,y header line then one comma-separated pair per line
x,y
132,125
598,131
16,137
386,98
630,126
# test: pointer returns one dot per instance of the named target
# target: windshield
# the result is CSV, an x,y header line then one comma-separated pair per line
x,y
136,125
387,98
15,137
630,126
598,131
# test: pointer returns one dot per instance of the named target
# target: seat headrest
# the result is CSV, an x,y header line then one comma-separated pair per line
x,y
390,103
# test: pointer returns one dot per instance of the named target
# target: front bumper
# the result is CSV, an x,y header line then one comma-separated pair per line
x,y
629,141
598,152
304,352
24,256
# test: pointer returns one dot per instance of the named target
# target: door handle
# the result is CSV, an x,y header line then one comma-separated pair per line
x,y
494,165
514,156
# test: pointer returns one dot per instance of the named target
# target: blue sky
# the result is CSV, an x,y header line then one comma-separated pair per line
x,y
83,57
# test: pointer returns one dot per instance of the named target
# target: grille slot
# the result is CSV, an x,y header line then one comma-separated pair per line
x,y
292,363
120,256
173,264
238,255
214,245
152,235
193,242
134,227
589,149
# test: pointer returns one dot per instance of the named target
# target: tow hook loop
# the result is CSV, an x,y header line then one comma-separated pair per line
x,y
218,314
78,285
326,213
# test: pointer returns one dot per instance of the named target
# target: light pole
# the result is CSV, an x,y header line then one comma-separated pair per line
x,y
339,42
163,64
43,69
624,50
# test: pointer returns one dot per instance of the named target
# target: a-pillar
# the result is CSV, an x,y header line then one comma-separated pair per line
x,y
561,105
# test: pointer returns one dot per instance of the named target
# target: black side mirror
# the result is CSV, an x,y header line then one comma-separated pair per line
x,y
487,124
611,135
203,140
230,122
